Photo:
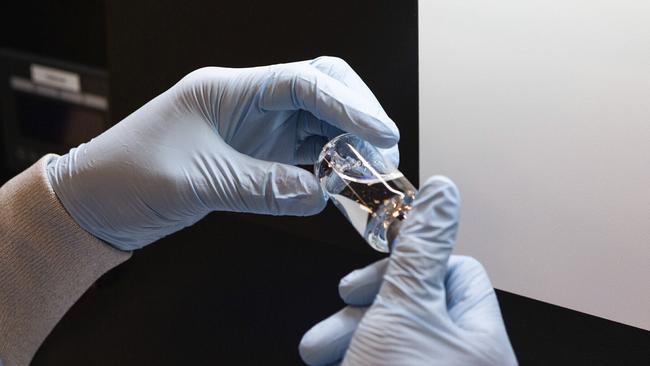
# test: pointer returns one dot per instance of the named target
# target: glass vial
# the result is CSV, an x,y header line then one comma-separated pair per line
x,y
366,187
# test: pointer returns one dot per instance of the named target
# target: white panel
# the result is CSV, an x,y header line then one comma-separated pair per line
x,y
540,111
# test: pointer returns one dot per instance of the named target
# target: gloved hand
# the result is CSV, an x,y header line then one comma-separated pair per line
x,y
220,139
420,306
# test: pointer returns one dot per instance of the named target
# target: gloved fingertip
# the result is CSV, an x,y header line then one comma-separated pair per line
x,y
315,200
327,341
440,181
312,347
385,134
438,190
295,192
309,349
394,132
391,155
360,287
346,284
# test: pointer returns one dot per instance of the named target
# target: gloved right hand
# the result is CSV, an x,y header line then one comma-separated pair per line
x,y
221,139
418,307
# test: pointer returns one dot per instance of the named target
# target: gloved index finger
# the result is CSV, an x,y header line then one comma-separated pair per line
x,y
418,263
360,287
301,86
341,71
326,342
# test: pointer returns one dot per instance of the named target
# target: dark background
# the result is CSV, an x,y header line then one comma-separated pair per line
x,y
242,289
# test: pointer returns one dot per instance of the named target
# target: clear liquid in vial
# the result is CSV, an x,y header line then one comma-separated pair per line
x,y
366,186
371,205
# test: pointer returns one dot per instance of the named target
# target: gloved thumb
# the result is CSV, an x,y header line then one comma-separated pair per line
x,y
416,271
271,188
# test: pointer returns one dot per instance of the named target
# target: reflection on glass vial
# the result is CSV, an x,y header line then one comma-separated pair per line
x,y
373,195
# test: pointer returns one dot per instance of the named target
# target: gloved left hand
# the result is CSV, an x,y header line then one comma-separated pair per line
x,y
220,139
421,306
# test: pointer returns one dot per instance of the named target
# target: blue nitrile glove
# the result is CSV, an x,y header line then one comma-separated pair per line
x,y
420,306
220,139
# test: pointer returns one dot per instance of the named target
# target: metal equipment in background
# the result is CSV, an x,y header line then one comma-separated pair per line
x,y
48,106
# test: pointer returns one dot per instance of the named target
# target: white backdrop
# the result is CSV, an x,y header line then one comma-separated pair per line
x,y
540,112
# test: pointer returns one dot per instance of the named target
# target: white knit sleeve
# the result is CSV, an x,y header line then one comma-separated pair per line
x,y
47,262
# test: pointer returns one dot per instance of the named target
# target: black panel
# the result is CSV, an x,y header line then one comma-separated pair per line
x,y
545,334
74,31
76,124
